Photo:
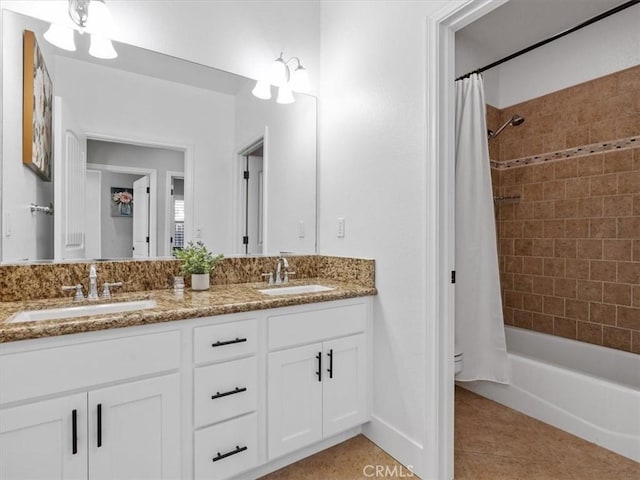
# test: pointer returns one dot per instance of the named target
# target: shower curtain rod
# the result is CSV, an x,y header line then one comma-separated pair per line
x,y
586,23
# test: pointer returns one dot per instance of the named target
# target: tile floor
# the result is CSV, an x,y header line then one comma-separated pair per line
x,y
492,442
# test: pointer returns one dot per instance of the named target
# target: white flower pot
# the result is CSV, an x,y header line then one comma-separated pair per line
x,y
199,281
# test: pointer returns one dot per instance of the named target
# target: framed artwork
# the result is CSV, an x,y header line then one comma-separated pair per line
x,y
121,202
37,109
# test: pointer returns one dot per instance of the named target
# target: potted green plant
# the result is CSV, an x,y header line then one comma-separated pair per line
x,y
198,261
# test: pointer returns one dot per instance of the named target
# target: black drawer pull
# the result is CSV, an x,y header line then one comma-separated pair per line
x,y
99,432
74,431
330,369
228,342
319,372
220,456
230,392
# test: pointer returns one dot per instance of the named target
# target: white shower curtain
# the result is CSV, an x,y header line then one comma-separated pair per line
x,y
479,323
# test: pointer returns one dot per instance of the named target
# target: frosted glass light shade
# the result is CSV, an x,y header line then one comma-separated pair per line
x,y
285,95
99,18
262,90
278,73
300,81
101,47
61,37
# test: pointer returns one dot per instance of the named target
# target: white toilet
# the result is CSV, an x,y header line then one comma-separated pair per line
x,y
458,361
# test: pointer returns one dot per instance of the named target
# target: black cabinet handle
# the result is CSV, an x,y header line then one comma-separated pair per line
x,y
229,342
230,392
330,369
99,425
220,456
74,431
319,372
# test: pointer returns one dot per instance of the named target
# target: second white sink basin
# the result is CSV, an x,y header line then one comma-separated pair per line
x,y
81,311
298,289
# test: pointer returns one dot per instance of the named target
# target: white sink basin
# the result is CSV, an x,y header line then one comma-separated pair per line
x,y
298,289
81,311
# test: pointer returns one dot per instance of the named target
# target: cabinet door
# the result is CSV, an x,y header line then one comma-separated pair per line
x,y
344,384
39,441
295,399
134,430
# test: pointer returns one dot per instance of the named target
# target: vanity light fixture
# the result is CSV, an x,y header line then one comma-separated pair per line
x,y
91,16
280,76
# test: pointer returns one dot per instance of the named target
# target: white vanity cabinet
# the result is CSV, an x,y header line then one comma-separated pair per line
x,y
318,389
127,431
225,399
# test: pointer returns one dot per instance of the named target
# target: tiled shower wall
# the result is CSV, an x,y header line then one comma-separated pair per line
x,y
569,247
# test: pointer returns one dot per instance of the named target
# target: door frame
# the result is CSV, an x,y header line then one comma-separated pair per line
x,y
238,189
440,198
168,208
189,165
153,197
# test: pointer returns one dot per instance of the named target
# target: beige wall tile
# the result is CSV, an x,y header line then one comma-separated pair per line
x,y
577,187
554,228
617,338
533,266
566,208
577,228
618,206
565,248
542,323
618,161
542,247
569,168
589,290
591,165
590,249
533,228
513,299
628,227
522,319
629,272
577,309
533,192
603,270
629,318
602,228
617,250
604,184
602,313
617,293
543,285
565,287
590,207
523,247
565,327
532,302
555,190
577,268
628,182
553,306
554,267
590,333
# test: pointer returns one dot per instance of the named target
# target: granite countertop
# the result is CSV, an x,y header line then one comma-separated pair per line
x,y
218,300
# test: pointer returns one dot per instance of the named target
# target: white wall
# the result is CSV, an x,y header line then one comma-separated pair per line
x,y
290,166
605,47
159,159
116,232
373,172
239,36
31,234
153,110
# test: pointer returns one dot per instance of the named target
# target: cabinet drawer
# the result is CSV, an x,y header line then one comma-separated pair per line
x,y
226,449
224,341
316,325
233,386
54,370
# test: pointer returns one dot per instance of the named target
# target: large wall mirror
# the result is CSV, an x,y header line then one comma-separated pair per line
x,y
149,152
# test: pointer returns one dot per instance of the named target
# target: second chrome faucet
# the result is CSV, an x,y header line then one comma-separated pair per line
x,y
92,293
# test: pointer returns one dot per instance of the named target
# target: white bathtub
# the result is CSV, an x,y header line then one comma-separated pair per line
x,y
590,391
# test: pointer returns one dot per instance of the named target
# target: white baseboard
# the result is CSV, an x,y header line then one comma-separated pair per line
x,y
405,450
298,455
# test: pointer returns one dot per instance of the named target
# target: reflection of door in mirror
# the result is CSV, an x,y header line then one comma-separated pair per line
x,y
253,201
141,217
70,162
175,211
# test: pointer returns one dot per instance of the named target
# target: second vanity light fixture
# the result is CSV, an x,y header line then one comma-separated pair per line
x,y
90,16
280,76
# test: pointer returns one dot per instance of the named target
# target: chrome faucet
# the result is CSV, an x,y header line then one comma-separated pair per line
x,y
282,264
93,283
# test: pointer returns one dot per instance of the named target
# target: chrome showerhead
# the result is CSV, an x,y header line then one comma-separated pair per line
x,y
515,121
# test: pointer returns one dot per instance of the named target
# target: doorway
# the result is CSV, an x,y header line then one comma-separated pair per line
x,y
252,210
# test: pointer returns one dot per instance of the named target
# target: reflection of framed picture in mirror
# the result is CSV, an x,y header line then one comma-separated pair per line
x,y
121,202
37,104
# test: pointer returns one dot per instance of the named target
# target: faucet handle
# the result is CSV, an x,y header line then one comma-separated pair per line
x,y
78,288
286,276
270,279
106,293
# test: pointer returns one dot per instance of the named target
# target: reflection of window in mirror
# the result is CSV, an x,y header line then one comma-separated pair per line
x,y
178,226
